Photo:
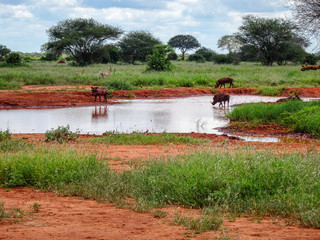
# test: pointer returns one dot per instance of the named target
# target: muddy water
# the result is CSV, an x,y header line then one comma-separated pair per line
x,y
185,115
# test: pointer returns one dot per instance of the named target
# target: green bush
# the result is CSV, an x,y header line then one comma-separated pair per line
x,y
13,58
5,135
196,58
61,134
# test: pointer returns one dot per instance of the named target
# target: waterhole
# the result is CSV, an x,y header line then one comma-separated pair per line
x,y
183,115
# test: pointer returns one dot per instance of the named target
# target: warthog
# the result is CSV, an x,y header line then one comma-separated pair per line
x,y
293,97
96,91
221,99
223,81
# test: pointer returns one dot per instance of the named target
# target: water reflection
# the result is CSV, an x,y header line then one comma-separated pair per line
x,y
99,112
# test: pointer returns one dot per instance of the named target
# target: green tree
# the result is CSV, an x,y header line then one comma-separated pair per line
x,y
207,53
136,45
159,60
82,38
111,54
184,43
196,57
13,58
4,51
230,43
269,37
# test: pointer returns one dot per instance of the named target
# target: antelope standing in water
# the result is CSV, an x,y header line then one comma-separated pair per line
x,y
105,74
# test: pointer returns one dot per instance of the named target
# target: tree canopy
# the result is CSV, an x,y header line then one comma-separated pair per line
x,y
270,38
136,45
230,43
3,51
82,38
184,43
306,14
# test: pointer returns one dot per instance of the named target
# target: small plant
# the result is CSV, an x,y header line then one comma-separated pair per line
x,y
61,134
5,135
35,207
12,214
130,95
198,225
159,213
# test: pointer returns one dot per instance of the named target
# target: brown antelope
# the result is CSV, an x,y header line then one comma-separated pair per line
x,y
98,92
105,74
219,98
80,73
223,81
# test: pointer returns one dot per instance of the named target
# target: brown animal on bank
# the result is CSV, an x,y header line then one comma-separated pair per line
x,y
105,74
223,81
221,99
293,97
98,92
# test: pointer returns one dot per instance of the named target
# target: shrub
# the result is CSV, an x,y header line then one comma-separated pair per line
x,y
196,58
61,134
5,135
159,60
13,58
119,85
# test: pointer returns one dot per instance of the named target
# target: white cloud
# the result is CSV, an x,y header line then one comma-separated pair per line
x,y
17,12
56,3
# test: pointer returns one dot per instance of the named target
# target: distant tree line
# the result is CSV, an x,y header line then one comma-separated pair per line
x,y
85,41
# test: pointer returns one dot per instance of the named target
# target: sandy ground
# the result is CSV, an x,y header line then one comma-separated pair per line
x,y
75,218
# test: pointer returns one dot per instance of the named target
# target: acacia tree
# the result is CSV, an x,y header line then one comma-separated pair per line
x,y
136,45
230,43
184,43
83,39
270,38
306,13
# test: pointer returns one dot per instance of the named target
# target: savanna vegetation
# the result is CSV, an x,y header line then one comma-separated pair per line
x,y
303,117
243,183
239,183
183,74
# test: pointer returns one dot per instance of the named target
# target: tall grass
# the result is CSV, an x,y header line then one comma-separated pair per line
x,y
301,116
184,74
256,183
260,183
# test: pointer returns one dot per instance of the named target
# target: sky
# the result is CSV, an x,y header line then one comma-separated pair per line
x,y
24,23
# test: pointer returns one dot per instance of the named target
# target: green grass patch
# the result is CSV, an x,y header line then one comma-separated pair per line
x,y
184,74
244,183
145,139
302,116
198,225
255,183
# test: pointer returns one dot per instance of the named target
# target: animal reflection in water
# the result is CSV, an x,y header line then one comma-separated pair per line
x,y
100,112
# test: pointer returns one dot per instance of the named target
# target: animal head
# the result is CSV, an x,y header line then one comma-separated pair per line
x,y
94,90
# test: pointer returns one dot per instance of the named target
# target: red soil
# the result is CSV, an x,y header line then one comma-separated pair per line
x,y
75,218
